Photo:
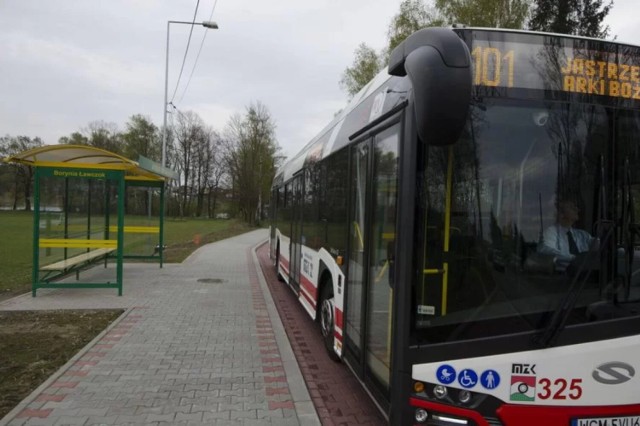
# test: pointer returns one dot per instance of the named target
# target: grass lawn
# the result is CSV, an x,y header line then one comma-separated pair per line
x,y
16,237
182,236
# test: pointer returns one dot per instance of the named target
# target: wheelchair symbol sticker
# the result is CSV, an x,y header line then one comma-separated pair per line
x,y
467,378
490,379
446,374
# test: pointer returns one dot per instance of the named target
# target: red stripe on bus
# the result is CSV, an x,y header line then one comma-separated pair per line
x,y
308,285
304,294
284,268
339,318
530,415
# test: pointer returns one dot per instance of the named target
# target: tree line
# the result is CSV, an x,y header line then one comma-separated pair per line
x,y
238,165
577,17
227,172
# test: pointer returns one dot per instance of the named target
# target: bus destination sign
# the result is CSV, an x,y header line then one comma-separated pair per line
x,y
510,64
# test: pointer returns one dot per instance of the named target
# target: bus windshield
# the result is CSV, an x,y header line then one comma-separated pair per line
x,y
537,200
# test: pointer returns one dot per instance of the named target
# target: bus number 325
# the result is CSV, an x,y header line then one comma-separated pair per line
x,y
491,67
560,389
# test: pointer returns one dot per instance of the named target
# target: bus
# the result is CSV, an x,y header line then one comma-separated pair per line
x,y
465,234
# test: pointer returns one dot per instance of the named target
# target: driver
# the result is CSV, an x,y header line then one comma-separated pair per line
x,y
563,240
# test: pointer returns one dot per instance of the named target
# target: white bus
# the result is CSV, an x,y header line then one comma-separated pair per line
x,y
465,230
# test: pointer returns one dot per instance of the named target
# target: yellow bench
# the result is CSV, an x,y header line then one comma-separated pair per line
x,y
77,260
98,249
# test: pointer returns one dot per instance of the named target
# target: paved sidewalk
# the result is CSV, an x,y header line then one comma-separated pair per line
x,y
200,343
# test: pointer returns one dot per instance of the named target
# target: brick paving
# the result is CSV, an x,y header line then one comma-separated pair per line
x,y
199,343
336,393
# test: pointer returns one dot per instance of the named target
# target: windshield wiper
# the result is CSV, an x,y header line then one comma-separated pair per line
x,y
562,313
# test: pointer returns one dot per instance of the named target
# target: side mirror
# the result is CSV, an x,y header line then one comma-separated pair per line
x,y
438,64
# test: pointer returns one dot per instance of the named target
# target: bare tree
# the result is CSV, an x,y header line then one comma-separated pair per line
x,y
188,133
104,135
207,170
251,151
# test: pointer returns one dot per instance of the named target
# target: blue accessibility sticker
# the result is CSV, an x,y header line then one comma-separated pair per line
x,y
490,379
467,378
446,374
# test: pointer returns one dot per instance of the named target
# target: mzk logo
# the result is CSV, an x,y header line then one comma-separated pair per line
x,y
523,382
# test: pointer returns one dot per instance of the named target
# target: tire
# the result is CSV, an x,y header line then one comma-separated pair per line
x,y
326,317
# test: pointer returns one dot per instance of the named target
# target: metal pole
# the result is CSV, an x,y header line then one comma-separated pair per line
x,y
164,106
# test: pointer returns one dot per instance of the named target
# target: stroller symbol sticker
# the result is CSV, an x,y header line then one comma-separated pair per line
x,y
446,374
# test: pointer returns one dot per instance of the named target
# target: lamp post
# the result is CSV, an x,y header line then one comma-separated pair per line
x,y
206,24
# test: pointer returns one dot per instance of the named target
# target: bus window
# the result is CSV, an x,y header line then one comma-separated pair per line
x,y
487,204
312,228
628,195
333,203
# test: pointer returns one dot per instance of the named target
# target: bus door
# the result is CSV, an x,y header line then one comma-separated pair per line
x,y
296,232
372,217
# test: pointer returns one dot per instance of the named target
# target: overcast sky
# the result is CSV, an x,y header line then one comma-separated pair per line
x,y
64,64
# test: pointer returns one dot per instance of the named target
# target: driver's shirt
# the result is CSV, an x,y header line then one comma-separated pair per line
x,y
555,241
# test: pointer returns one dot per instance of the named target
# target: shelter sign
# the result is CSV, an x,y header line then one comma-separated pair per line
x,y
80,173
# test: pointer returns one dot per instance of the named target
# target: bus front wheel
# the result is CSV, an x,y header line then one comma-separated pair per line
x,y
327,322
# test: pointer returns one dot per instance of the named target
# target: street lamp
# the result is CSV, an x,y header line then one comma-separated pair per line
x,y
206,24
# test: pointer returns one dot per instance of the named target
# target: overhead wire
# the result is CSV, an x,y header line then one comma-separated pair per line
x,y
198,56
184,59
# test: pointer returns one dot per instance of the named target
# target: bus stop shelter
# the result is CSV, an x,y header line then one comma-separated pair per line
x,y
91,205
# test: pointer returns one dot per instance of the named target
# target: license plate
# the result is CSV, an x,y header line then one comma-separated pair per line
x,y
607,421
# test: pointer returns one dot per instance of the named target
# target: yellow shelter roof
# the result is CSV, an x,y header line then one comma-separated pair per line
x,y
82,156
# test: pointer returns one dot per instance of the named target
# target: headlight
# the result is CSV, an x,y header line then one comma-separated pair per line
x,y
421,415
440,391
464,396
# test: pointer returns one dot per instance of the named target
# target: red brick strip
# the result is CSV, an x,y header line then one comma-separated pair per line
x,y
58,384
274,405
49,398
28,412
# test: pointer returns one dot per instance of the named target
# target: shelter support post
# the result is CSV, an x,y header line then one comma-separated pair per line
x,y
36,231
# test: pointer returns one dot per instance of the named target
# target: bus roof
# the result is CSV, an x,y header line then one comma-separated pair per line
x,y
322,144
